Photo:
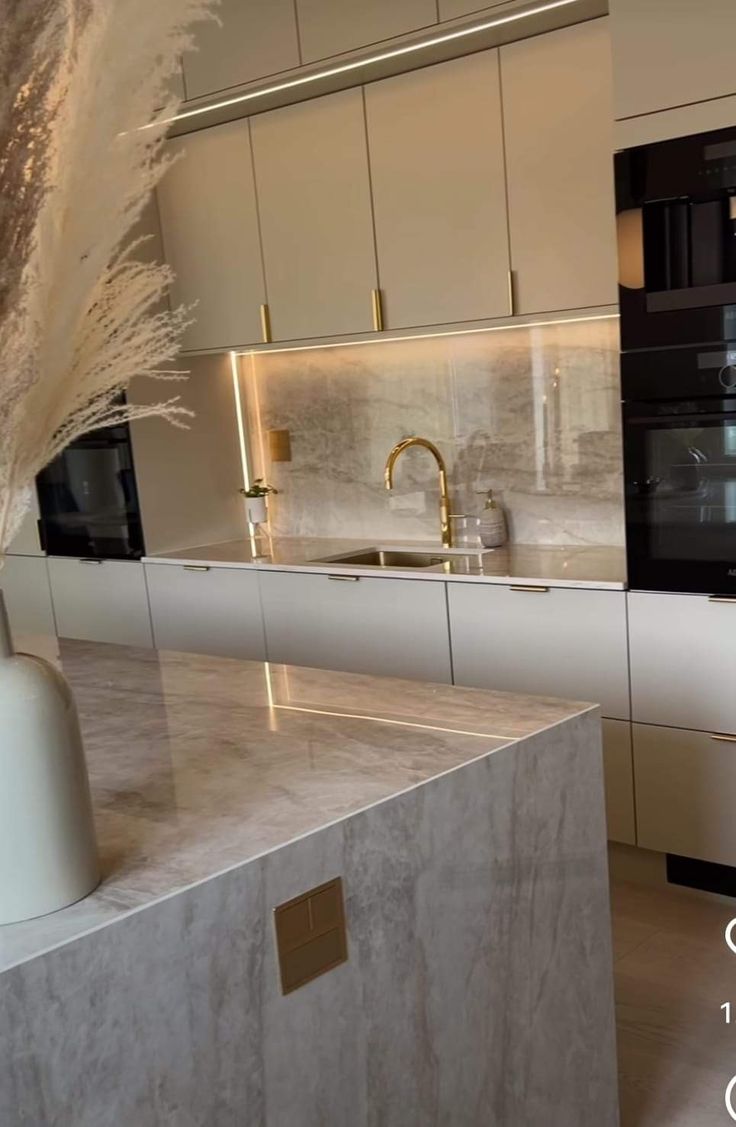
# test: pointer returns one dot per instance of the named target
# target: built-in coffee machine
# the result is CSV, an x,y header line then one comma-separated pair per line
x,y
676,214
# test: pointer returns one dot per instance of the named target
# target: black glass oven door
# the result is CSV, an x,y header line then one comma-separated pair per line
x,y
89,501
680,474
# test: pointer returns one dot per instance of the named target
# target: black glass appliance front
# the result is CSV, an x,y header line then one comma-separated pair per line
x,y
680,469
676,217
89,500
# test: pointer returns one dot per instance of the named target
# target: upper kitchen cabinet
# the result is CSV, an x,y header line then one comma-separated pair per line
x,y
450,9
558,122
254,38
436,152
311,166
175,84
673,54
209,225
328,27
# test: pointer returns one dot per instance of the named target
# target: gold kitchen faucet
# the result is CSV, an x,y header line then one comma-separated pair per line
x,y
388,476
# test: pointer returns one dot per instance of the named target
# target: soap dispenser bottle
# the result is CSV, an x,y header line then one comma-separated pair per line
x,y
493,532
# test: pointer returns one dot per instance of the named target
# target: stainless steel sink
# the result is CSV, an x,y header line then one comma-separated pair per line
x,y
394,557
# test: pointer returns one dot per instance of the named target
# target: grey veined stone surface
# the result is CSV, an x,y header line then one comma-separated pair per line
x,y
478,988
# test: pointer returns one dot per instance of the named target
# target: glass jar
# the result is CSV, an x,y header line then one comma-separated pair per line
x,y
465,531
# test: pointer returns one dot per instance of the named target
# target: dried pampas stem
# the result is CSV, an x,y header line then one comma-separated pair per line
x,y
79,316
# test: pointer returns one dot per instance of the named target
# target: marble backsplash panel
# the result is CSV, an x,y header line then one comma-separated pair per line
x,y
532,412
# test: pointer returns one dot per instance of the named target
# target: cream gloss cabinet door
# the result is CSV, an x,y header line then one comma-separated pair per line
x,y
451,9
618,774
100,600
557,642
209,226
439,194
311,165
24,582
213,610
253,39
685,793
329,27
683,661
558,126
671,54
26,541
386,627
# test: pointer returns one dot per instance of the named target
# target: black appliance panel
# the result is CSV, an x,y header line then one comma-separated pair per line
x,y
676,205
89,500
680,470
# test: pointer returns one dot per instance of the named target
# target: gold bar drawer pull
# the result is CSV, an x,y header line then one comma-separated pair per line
x,y
512,303
91,561
344,578
265,324
195,567
723,737
377,300
529,587
722,599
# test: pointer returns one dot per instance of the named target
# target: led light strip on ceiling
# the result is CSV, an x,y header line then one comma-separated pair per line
x,y
381,339
358,64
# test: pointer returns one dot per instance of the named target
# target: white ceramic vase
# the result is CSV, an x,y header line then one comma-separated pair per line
x,y
256,509
48,849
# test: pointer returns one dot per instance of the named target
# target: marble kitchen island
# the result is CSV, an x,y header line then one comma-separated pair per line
x,y
468,829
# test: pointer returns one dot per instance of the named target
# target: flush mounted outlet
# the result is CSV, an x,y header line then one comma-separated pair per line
x,y
279,445
310,935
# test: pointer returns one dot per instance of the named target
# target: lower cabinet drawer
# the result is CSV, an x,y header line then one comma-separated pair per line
x,y
683,660
387,627
618,771
100,600
685,793
24,582
557,642
214,610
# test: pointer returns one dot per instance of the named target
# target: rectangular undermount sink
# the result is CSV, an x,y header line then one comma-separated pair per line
x,y
397,557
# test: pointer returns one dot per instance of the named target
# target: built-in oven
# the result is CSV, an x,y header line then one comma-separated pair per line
x,y
676,217
679,415
89,500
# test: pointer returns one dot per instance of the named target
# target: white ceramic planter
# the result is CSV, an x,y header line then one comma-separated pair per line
x,y
48,850
256,509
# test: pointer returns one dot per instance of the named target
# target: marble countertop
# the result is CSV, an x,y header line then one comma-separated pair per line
x,y
552,565
200,764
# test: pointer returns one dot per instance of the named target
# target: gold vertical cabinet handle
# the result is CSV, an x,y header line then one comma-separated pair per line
x,y
511,293
266,324
195,567
529,587
377,300
723,738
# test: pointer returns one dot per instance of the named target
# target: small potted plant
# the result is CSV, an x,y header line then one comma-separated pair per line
x,y
255,501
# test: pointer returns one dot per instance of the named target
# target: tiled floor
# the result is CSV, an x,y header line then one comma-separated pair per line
x,y
673,973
